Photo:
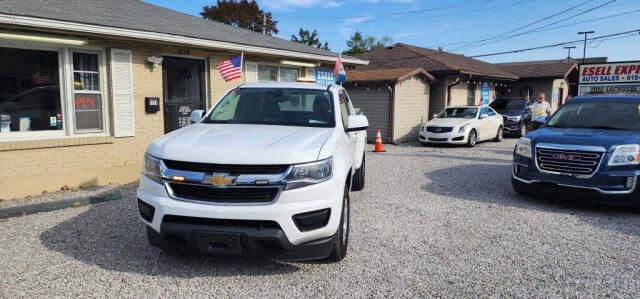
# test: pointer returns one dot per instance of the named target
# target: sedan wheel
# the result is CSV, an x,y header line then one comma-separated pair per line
x,y
499,135
472,139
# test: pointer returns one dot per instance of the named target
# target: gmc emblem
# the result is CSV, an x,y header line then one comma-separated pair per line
x,y
564,157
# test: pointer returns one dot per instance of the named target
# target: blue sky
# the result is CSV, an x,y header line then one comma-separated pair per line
x,y
451,23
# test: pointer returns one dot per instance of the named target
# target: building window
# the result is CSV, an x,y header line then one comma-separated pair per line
x,y
267,73
289,74
87,103
29,91
51,92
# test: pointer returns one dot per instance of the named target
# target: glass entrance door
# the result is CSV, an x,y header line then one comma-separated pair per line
x,y
183,84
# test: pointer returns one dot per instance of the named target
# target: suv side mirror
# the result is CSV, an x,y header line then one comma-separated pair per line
x,y
484,115
357,123
197,115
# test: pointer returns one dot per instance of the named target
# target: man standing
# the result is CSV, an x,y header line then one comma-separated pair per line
x,y
540,111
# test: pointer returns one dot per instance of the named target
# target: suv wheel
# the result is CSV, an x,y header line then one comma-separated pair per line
x,y
358,176
472,139
499,135
342,235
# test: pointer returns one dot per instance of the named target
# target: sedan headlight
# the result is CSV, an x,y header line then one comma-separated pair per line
x,y
462,129
514,118
152,168
626,154
303,175
523,148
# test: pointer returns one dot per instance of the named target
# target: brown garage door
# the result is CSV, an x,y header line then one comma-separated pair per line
x,y
375,105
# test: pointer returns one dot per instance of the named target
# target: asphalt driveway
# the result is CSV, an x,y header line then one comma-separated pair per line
x,y
440,221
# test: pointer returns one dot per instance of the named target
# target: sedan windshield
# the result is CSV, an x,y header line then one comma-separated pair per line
x,y
612,115
458,113
275,106
508,104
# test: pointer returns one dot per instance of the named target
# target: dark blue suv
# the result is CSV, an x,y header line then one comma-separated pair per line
x,y
515,113
589,150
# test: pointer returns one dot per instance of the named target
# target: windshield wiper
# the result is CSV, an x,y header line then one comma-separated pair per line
x,y
216,121
601,127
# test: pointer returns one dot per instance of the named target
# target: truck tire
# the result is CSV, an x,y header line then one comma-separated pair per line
x,y
358,177
341,239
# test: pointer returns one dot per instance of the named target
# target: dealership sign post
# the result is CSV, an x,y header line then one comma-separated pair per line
x,y
610,79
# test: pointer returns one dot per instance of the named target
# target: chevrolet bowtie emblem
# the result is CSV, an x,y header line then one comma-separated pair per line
x,y
219,179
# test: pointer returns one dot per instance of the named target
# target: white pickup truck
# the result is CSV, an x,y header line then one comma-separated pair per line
x,y
265,172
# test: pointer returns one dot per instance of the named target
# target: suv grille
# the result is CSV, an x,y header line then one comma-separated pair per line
x,y
224,195
439,129
234,169
568,161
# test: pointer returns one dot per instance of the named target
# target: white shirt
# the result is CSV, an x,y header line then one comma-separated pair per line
x,y
540,111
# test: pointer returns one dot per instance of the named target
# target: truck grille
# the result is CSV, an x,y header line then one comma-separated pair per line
x,y
433,129
224,195
568,161
234,169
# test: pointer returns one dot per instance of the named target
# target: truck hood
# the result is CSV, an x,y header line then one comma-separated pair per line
x,y
451,122
241,144
593,137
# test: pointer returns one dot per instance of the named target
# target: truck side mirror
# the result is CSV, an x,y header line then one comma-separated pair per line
x,y
197,115
357,123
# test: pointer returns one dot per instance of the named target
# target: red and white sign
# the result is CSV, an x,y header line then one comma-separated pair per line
x,y
608,73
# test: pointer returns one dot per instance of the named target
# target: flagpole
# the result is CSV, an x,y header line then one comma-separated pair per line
x,y
242,68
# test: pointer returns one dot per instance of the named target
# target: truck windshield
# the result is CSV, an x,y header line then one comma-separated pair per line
x,y
458,113
612,115
275,106
508,104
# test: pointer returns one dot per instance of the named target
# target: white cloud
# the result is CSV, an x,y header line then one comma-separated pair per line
x,y
356,20
292,5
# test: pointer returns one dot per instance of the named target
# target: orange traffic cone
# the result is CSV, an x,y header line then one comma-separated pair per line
x,y
378,148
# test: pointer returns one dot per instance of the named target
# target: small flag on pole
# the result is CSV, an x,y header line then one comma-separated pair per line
x,y
338,71
231,68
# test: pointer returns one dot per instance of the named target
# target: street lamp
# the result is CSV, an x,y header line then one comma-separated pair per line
x,y
569,54
584,50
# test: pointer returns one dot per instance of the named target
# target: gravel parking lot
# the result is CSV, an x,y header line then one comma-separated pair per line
x,y
432,221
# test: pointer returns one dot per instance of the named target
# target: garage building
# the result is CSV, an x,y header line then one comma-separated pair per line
x,y
395,100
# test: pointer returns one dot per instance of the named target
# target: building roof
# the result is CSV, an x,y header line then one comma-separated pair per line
x,y
141,16
386,74
545,68
433,61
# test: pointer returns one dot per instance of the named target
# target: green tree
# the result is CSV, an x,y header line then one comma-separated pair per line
x,y
243,13
309,38
358,44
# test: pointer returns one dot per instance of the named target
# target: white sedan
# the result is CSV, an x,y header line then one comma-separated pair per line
x,y
463,125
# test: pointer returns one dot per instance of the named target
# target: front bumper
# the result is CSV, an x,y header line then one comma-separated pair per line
x,y
450,137
513,126
283,238
617,187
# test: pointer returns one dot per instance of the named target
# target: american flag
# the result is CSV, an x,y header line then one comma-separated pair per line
x,y
37,79
231,68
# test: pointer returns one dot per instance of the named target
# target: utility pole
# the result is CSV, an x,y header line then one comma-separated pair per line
x,y
584,50
569,54
264,24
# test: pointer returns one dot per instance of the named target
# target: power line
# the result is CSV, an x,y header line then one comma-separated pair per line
x,y
532,23
538,28
558,44
398,13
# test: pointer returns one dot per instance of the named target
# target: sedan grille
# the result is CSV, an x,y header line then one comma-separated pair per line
x,y
224,195
568,161
433,129
234,169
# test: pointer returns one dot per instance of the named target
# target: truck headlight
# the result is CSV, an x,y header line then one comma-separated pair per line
x,y
303,175
523,148
626,154
462,129
152,168
514,118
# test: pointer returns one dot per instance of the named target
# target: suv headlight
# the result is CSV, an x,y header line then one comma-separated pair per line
x,y
514,118
626,154
303,175
523,148
152,168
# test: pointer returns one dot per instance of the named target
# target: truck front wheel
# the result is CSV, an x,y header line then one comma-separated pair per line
x,y
358,177
342,235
